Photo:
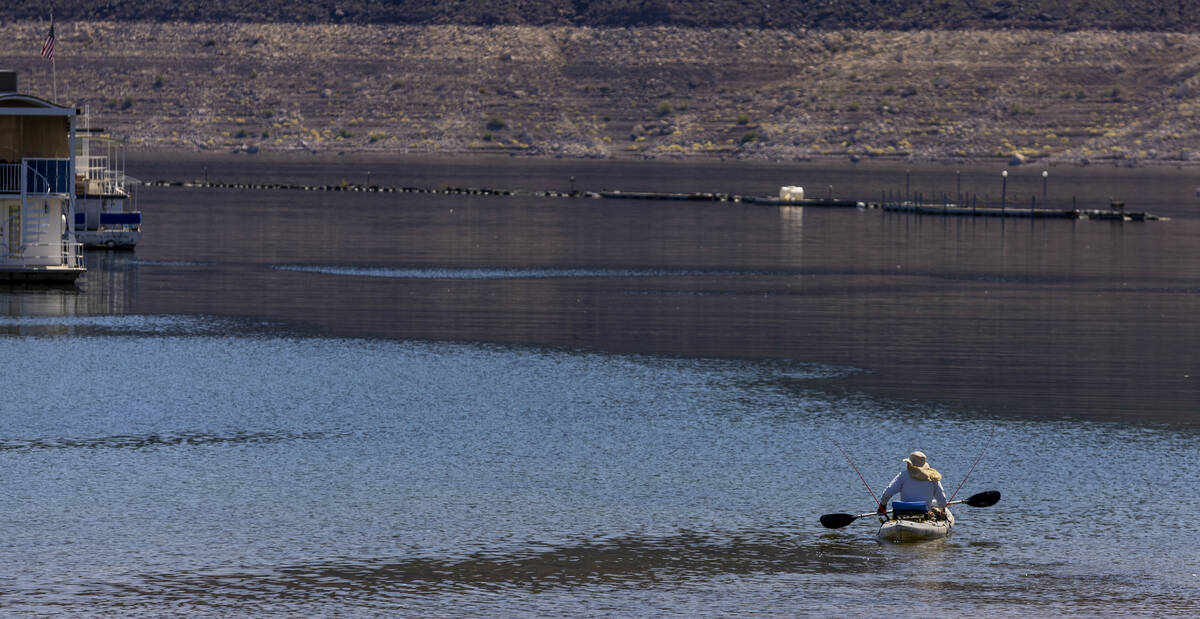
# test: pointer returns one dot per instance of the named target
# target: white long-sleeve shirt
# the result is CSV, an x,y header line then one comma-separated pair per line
x,y
915,490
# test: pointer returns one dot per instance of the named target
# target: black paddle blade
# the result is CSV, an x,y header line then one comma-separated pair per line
x,y
983,499
837,521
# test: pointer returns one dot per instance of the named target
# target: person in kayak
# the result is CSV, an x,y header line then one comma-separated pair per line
x,y
919,482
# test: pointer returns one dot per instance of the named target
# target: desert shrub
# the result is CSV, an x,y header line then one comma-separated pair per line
x,y
743,119
495,123
665,109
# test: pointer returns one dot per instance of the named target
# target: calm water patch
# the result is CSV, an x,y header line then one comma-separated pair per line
x,y
495,273
255,474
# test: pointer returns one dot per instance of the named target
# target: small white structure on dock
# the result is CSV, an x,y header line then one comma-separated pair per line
x,y
791,193
37,189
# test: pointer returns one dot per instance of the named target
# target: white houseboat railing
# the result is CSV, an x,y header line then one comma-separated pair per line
x,y
70,254
10,178
36,176
100,177
48,176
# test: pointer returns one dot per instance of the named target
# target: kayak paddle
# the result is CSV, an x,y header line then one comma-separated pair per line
x,y
837,521
983,499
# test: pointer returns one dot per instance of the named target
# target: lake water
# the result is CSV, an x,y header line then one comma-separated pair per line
x,y
317,403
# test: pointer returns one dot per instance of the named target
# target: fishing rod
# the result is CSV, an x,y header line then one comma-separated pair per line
x,y
977,459
860,475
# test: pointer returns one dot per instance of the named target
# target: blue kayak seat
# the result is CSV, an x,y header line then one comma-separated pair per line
x,y
909,508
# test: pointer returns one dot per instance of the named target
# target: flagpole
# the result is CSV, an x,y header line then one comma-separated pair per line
x,y
53,62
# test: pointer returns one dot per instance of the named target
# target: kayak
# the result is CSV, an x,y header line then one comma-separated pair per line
x,y
910,521
915,528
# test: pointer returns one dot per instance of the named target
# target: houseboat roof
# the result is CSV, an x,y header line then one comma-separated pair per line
x,y
17,104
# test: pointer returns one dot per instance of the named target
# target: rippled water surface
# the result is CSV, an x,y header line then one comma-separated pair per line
x,y
290,403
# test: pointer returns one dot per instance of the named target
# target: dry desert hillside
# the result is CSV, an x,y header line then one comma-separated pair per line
x,y
654,91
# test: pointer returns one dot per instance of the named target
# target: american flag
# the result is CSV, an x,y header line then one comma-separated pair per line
x,y
48,47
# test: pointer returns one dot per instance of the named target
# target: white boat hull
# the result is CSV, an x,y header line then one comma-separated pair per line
x,y
905,530
111,239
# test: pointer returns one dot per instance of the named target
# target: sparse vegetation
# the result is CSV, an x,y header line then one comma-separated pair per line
x,y
120,104
948,104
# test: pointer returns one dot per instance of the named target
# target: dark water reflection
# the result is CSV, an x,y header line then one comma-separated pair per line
x,y
630,562
1031,318
153,440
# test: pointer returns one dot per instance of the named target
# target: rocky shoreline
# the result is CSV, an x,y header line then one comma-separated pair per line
x,y
656,92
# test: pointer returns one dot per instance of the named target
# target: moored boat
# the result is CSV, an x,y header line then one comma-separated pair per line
x,y
37,201
103,217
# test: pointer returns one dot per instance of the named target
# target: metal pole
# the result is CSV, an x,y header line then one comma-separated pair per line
x,y
1003,191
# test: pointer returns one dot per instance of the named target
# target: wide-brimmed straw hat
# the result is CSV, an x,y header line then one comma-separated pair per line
x,y
919,469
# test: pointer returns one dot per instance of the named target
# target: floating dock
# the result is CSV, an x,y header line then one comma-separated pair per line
x,y
1117,213
1027,213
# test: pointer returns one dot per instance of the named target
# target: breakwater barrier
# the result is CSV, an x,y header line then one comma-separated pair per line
x,y
1115,212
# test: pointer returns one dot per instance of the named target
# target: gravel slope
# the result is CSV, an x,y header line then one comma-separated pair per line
x,y
925,95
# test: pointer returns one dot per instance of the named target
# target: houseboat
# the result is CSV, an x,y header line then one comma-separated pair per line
x,y
37,189
103,213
